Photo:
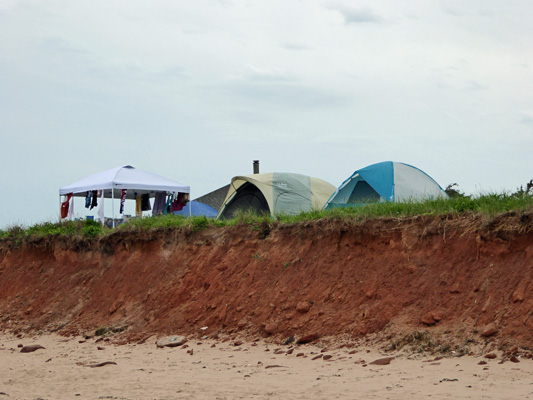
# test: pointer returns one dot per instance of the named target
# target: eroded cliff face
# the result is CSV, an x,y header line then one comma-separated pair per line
x,y
448,275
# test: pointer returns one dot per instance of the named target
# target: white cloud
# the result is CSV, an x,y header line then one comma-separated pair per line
x,y
358,15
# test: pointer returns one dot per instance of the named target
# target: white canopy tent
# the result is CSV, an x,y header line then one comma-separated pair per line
x,y
113,181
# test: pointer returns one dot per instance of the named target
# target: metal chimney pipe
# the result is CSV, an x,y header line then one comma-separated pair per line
x,y
256,166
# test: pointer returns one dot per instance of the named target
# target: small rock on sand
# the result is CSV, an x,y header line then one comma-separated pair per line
x,y
101,364
308,338
31,348
271,327
171,341
382,361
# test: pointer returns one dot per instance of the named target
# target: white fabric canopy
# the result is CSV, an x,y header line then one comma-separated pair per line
x,y
136,181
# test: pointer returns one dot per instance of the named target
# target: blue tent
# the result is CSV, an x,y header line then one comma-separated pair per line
x,y
385,181
198,209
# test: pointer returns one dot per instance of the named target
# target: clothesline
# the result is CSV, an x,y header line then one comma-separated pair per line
x,y
164,203
125,182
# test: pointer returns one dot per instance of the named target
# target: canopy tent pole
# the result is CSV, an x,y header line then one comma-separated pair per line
x,y
190,204
113,205
59,208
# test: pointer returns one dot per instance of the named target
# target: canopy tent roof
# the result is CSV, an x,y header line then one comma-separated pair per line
x,y
276,193
137,182
385,181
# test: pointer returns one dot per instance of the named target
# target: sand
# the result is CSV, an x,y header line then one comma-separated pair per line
x,y
207,369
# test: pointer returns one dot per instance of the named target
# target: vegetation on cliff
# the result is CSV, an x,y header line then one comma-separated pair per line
x,y
487,205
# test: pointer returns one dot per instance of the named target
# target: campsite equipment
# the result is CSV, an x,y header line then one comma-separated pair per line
x,y
135,182
275,193
385,181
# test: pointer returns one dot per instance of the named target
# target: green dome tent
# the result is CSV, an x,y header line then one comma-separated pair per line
x,y
275,193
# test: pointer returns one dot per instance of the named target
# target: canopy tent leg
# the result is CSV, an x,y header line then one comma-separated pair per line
x,y
60,208
113,206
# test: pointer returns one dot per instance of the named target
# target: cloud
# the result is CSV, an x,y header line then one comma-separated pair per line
x,y
358,16
526,117
269,75
287,95
295,46
473,86
60,45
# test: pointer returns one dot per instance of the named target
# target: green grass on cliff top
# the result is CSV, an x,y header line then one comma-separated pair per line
x,y
490,205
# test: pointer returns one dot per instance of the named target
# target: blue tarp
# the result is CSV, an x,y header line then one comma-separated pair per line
x,y
198,209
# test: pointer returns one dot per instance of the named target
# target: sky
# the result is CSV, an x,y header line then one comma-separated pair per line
x,y
196,90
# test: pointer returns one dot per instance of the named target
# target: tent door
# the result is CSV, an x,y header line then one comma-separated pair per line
x,y
363,193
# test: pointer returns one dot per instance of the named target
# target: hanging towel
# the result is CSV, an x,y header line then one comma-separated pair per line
x,y
122,200
94,201
71,209
159,203
168,204
101,209
65,206
138,212
88,199
145,202
177,205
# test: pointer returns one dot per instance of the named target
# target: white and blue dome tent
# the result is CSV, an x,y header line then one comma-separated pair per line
x,y
385,181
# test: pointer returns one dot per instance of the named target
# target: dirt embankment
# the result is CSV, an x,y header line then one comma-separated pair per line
x,y
461,278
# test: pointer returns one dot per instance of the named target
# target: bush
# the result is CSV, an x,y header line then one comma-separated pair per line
x,y
92,228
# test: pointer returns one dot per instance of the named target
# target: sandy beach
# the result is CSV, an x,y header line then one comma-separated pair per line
x,y
68,368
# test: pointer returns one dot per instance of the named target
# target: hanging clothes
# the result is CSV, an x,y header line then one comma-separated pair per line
x,y
65,206
101,209
168,204
88,199
177,205
70,214
145,202
138,211
94,202
122,200
159,203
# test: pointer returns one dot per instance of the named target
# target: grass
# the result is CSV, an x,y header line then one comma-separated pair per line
x,y
489,205
87,228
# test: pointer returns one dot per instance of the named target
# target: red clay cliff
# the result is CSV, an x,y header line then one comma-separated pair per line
x,y
458,276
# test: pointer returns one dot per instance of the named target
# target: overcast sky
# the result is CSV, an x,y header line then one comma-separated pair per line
x,y
196,90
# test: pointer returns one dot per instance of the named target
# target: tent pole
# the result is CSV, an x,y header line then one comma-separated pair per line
x,y
60,208
190,204
113,205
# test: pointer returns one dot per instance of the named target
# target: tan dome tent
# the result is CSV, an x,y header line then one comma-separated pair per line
x,y
275,193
